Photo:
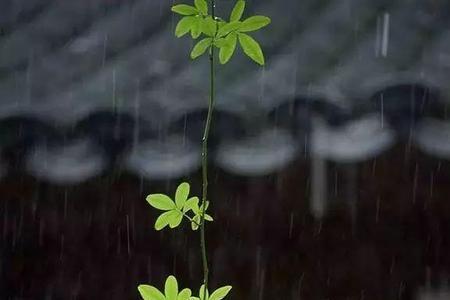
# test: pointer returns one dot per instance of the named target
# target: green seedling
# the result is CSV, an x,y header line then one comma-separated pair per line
x,y
199,20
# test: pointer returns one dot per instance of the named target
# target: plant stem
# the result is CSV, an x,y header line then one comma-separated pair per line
x,y
205,162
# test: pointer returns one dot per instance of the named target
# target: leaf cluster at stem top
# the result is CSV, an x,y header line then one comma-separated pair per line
x,y
220,33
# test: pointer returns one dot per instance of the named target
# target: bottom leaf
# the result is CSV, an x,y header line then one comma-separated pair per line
x,y
149,292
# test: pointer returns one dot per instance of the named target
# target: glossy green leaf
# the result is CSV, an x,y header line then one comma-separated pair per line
x,y
208,218
185,10
175,218
184,26
254,23
182,194
238,10
171,288
191,204
202,6
227,28
149,292
209,26
185,294
160,201
201,47
251,48
220,293
227,50
163,220
196,29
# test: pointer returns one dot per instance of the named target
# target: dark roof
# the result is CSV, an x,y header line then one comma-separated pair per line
x,y
84,84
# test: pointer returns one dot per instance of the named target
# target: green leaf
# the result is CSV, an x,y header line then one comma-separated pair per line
x,y
160,201
208,218
220,42
209,26
171,288
191,204
201,47
254,23
196,28
220,24
194,298
163,220
228,27
251,48
202,293
185,294
220,293
196,222
201,207
202,6
184,26
175,218
181,194
149,292
227,50
238,10
185,10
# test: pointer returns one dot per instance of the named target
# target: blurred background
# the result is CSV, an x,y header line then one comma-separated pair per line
x,y
330,169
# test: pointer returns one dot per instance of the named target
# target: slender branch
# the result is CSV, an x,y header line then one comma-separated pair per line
x,y
205,162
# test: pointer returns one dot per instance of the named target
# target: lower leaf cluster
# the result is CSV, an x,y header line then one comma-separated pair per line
x,y
172,292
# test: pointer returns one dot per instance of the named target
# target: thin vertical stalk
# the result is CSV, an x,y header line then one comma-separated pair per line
x,y
205,163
